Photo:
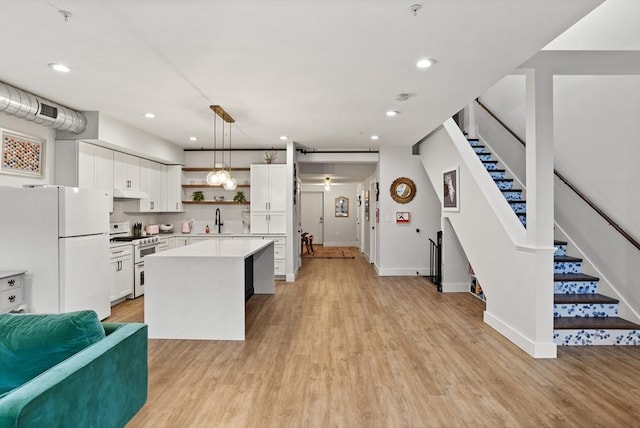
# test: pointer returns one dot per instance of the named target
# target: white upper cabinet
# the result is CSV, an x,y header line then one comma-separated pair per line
x,y
268,199
174,188
153,181
126,171
84,165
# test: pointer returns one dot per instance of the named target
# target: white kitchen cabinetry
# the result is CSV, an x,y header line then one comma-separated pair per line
x,y
268,199
122,267
11,290
126,171
84,165
174,188
153,182
180,241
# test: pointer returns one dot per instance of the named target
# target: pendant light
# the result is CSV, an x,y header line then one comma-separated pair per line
x,y
213,179
231,183
219,176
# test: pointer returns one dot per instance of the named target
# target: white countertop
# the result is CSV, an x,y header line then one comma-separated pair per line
x,y
218,248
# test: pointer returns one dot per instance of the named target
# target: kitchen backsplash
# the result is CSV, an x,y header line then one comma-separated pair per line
x,y
201,215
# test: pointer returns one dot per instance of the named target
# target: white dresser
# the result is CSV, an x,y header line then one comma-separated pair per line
x,y
11,290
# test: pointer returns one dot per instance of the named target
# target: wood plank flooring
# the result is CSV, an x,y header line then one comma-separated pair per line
x,y
342,347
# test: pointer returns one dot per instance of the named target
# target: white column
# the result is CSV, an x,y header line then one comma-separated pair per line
x,y
472,130
539,172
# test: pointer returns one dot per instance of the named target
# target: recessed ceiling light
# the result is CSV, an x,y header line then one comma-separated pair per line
x,y
193,138
284,137
59,67
425,63
392,113
149,115
374,137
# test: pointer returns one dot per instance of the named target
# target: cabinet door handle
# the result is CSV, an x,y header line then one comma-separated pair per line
x,y
152,204
12,282
176,206
12,298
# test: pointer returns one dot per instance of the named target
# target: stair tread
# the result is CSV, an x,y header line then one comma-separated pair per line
x,y
497,170
574,277
511,190
583,298
489,161
520,201
566,259
503,179
473,139
590,323
556,242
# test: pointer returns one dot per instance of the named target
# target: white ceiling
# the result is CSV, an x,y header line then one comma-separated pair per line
x,y
321,72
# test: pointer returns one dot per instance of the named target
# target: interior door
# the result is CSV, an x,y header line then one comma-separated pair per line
x,y
373,206
312,215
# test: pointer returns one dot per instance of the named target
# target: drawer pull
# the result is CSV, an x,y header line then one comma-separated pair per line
x,y
12,282
12,298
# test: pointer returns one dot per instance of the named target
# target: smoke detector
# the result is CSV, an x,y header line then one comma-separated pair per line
x,y
414,8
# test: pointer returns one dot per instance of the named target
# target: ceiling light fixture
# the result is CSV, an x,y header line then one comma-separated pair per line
x,y
374,137
59,67
392,113
284,137
149,115
218,175
193,138
327,184
425,63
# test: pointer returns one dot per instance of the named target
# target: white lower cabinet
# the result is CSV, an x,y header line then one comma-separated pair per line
x,y
11,296
122,267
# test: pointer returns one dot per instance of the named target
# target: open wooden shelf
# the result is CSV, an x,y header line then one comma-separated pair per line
x,y
188,169
216,203
209,186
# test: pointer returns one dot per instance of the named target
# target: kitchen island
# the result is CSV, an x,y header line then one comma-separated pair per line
x,y
199,291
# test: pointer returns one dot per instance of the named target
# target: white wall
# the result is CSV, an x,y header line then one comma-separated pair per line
x,y
341,231
494,242
596,127
401,249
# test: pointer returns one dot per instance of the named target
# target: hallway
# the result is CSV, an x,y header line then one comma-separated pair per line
x,y
344,347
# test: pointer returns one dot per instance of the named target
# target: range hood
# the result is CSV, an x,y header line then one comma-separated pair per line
x,y
129,194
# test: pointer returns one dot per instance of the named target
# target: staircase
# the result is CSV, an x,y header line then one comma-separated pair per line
x,y
582,316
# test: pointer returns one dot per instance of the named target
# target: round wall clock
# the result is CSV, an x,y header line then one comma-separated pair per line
x,y
403,190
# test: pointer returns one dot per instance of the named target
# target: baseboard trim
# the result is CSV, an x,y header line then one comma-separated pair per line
x,y
536,350
455,287
404,272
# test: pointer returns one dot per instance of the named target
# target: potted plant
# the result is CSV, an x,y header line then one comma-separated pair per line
x,y
197,196
239,197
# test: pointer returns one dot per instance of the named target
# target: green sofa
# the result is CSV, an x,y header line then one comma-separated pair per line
x,y
103,385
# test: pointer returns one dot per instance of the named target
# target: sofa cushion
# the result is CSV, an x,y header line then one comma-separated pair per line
x,y
32,343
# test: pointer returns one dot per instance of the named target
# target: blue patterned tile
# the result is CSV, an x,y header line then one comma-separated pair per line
x,y
523,220
496,174
484,156
490,165
575,287
567,267
478,149
512,195
585,310
504,185
519,207
474,142
596,337
561,250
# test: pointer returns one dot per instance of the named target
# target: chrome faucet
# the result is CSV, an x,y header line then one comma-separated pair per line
x,y
219,222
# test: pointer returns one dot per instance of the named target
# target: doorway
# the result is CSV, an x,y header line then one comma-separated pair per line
x,y
312,215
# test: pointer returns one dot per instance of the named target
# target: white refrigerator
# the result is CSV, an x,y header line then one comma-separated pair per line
x,y
60,236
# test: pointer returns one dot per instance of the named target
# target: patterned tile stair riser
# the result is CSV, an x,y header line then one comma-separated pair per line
x,y
585,287
513,196
569,280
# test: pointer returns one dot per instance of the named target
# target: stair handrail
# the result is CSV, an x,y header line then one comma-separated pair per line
x,y
570,185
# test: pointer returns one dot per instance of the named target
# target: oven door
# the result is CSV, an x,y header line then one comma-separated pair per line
x,y
138,281
145,251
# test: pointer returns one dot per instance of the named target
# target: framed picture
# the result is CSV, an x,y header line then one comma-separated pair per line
x,y
402,217
451,190
21,154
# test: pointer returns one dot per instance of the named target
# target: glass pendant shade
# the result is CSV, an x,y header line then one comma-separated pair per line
x,y
213,178
231,184
224,176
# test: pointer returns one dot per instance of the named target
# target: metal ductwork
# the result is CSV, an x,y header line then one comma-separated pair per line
x,y
19,103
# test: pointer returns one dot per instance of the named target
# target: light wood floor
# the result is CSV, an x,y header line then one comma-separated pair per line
x,y
342,347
